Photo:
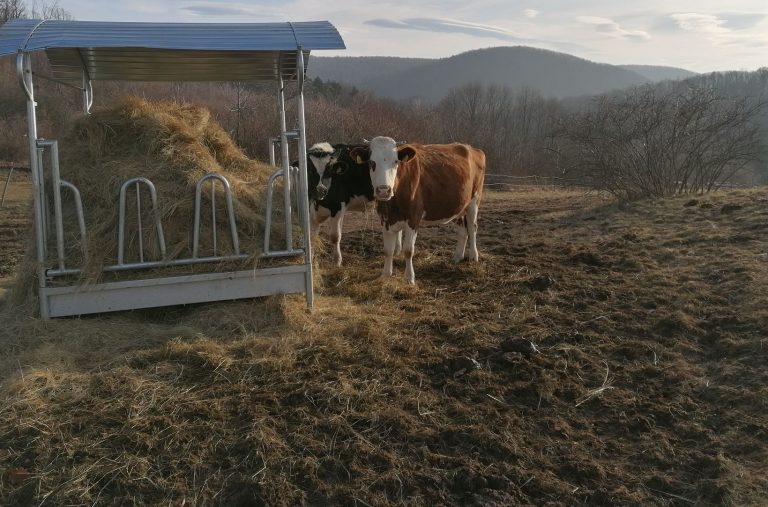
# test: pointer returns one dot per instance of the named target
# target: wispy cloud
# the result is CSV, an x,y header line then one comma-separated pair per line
x,y
612,28
742,20
699,22
530,13
223,9
443,25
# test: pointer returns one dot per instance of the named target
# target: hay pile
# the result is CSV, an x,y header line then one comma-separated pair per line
x,y
173,145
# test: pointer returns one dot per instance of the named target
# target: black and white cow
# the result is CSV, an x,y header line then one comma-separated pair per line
x,y
337,184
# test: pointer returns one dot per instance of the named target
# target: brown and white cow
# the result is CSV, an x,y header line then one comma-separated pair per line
x,y
424,184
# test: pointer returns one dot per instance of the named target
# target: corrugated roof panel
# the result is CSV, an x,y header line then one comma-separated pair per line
x,y
169,51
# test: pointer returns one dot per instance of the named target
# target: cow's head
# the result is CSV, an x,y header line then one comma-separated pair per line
x,y
342,162
384,157
320,155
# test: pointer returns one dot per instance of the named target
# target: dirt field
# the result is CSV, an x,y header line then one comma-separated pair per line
x,y
597,355
14,219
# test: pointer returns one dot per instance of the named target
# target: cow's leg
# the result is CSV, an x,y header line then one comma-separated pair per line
x,y
461,238
335,223
472,228
390,239
409,241
399,244
318,215
313,221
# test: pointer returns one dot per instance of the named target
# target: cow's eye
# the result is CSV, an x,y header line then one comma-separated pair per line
x,y
373,165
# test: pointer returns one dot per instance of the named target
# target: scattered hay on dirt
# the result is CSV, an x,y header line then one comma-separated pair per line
x,y
636,380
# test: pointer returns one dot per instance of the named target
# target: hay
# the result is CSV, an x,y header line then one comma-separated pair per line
x,y
370,399
173,145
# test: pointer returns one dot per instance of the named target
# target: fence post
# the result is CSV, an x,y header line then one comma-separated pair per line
x,y
5,188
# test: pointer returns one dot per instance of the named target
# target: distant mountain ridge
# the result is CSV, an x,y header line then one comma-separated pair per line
x,y
551,73
658,73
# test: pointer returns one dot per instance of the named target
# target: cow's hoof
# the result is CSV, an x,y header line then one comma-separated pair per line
x,y
457,260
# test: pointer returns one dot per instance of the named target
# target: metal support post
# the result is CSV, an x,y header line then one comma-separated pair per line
x,y
24,71
284,164
303,199
5,188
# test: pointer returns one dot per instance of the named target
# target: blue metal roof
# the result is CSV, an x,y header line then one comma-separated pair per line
x,y
168,51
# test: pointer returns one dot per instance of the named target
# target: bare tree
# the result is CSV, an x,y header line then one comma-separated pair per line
x,y
653,143
511,127
12,9
49,10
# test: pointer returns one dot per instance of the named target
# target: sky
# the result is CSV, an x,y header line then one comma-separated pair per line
x,y
698,35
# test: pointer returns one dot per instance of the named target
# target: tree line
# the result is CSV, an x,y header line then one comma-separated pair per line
x,y
655,140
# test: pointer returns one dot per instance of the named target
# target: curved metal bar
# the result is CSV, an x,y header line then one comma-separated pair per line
x,y
121,217
90,95
268,219
87,93
230,213
138,222
284,164
133,266
20,71
57,211
79,209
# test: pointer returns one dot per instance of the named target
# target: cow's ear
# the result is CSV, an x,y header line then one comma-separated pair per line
x,y
405,154
360,154
338,169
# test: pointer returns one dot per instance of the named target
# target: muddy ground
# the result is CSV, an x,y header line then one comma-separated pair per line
x,y
598,354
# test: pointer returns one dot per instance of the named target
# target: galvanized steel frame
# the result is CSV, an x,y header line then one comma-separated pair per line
x,y
165,291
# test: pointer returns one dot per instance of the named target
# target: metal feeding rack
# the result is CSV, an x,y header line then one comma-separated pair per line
x,y
83,52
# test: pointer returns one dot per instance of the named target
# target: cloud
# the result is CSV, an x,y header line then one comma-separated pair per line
x,y
610,27
698,22
741,21
212,10
223,9
716,23
443,25
530,13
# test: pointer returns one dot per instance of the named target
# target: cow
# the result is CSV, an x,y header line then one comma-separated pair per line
x,y
337,184
424,184
318,157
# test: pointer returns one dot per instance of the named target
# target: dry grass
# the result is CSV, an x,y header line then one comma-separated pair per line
x,y
173,145
646,385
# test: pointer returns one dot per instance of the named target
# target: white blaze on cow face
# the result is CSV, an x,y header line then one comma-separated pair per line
x,y
320,155
383,165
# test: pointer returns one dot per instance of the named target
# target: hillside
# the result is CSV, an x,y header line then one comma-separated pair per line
x,y
660,72
552,74
358,71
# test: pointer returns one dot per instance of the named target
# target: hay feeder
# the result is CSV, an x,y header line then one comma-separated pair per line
x,y
83,52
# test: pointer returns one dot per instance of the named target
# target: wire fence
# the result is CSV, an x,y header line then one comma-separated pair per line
x,y
9,173
504,181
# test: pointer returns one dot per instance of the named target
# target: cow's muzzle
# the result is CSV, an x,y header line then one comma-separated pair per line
x,y
322,192
383,192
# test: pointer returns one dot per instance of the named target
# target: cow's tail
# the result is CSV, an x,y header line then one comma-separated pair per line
x,y
479,173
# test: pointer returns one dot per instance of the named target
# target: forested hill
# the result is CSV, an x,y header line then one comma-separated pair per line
x,y
550,73
660,72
